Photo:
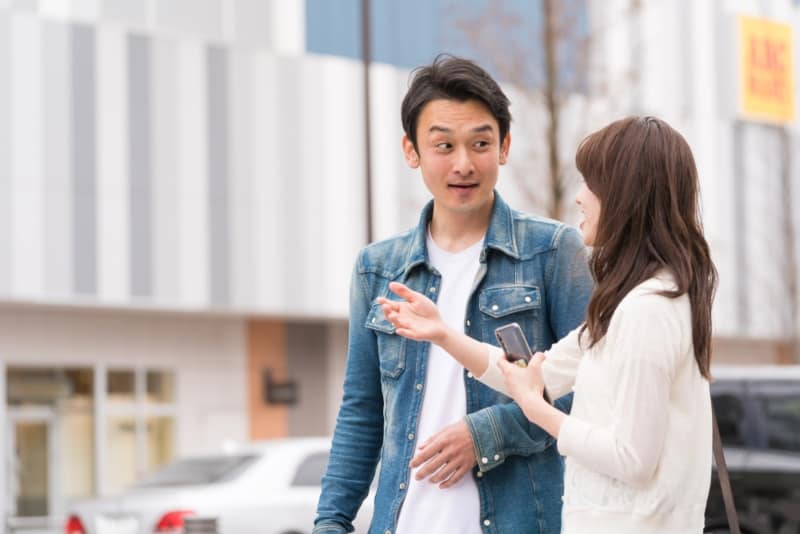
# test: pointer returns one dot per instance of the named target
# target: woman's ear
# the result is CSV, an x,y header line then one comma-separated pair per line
x,y
412,158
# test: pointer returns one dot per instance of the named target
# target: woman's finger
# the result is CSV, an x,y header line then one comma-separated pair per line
x,y
537,359
402,291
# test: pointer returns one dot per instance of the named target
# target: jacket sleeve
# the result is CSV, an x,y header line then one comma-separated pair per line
x,y
503,430
358,435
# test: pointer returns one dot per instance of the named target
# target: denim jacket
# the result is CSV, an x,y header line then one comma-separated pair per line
x,y
534,272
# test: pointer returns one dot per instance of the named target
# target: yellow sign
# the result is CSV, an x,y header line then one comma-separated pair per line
x,y
767,84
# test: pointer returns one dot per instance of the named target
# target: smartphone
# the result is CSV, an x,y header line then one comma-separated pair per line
x,y
516,347
513,343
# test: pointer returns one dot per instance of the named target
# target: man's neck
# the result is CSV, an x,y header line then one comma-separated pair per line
x,y
455,232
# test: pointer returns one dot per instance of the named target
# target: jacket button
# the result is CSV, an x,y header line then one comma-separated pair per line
x,y
496,457
388,532
402,485
527,299
469,375
480,474
484,460
468,323
495,307
486,522
411,436
419,387
432,289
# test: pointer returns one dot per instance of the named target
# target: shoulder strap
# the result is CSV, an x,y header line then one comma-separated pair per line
x,y
724,481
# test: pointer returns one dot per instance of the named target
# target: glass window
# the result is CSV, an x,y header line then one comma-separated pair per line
x,y
160,386
730,414
311,470
120,452
48,386
160,431
198,471
121,386
780,405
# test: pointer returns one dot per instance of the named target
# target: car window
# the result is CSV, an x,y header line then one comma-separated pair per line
x,y
780,405
729,411
199,471
311,469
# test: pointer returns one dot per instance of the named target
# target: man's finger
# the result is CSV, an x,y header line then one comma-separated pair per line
x,y
443,474
431,466
457,475
423,456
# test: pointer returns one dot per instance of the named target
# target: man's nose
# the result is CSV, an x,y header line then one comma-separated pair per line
x,y
463,163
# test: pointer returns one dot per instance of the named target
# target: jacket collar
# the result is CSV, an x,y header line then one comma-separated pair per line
x,y
499,235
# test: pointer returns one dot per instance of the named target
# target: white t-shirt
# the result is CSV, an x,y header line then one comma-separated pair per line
x,y
428,508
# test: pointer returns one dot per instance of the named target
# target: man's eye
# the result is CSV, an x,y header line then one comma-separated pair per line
x,y
481,144
444,146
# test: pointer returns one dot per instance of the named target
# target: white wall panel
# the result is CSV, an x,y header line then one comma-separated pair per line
x,y
340,185
165,96
242,145
57,164
113,216
27,155
192,202
266,204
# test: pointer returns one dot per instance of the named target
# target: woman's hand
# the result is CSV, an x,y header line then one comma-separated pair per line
x,y
525,384
415,317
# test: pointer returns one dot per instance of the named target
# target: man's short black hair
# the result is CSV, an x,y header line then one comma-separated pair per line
x,y
452,78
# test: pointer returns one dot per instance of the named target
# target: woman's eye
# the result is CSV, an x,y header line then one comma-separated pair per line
x,y
444,146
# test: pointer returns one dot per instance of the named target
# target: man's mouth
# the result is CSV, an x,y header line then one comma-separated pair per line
x,y
462,187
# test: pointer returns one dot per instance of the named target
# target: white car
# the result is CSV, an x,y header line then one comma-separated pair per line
x,y
266,488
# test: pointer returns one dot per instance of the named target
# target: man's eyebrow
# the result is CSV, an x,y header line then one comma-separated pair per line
x,y
483,128
477,129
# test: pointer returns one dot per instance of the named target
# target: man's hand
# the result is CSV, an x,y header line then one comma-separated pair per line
x,y
446,456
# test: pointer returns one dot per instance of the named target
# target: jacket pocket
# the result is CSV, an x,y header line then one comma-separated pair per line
x,y
497,302
501,305
391,347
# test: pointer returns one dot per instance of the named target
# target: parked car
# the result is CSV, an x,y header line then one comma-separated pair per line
x,y
758,412
265,488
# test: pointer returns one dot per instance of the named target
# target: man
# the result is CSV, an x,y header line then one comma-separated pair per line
x,y
455,456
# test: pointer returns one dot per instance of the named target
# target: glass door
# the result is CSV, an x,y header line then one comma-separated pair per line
x,y
31,469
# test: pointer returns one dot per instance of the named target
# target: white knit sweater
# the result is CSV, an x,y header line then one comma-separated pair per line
x,y
638,440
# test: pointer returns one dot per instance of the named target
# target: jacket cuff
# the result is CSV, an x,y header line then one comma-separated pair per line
x,y
486,438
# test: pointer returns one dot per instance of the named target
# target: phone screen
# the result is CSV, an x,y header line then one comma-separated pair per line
x,y
513,343
516,347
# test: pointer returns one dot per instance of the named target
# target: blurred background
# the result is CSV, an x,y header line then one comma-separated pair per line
x,y
184,186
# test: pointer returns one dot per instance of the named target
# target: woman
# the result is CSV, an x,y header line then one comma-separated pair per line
x,y
638,440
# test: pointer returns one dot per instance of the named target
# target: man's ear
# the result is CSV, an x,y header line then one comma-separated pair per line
x,y
412,158
504,147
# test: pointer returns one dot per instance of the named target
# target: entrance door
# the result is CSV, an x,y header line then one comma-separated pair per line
x,y
31,462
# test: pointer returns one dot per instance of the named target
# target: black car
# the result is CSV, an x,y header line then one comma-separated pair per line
x,y
758,412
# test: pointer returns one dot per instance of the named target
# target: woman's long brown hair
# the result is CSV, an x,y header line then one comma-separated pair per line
x,y
645,176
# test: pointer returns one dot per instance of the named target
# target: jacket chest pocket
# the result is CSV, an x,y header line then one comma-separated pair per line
x,y
391,347
514,303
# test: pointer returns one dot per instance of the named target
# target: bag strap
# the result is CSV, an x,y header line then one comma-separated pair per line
x,y
724,481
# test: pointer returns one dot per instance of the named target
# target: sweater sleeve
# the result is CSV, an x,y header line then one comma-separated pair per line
x,y
642,345
559,368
